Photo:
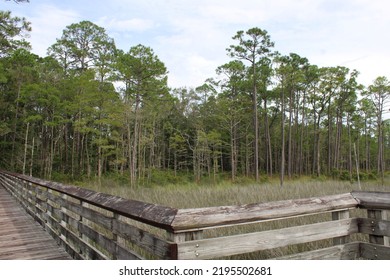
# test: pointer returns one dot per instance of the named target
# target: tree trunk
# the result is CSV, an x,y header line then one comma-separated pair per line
x,y
25,148
289,164
268,140
256,125
350,164
282,161
32,157
233,150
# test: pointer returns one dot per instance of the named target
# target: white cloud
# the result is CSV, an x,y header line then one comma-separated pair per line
x,y
194,69
125,25
47,23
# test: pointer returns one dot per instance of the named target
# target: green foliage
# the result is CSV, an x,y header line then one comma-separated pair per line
x,y
168,177
344,175
12,33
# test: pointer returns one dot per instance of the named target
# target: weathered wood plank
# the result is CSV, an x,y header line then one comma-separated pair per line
x,y
344,214
90,214
372,200
252,242
349,251
375,237
98,239
200,218
143,239
374,251
374,226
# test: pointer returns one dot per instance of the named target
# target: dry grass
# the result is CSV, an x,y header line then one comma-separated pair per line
x,y
226,193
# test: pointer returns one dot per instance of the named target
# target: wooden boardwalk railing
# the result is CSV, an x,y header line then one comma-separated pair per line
x,y
21,237
92,225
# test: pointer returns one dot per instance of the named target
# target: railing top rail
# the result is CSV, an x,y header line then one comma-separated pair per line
x,y
181,220
228,215
372,200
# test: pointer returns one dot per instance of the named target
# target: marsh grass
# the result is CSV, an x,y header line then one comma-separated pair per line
x,y
226,193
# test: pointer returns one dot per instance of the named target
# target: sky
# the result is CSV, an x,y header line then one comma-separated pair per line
x,y
191,37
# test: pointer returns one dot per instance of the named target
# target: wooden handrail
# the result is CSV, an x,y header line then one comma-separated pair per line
x,y
152,214
372,200
200,218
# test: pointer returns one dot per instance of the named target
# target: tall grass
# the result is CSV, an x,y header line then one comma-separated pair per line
x,y
227,193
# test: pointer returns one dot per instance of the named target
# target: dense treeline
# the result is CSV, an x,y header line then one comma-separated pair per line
x,y
89,109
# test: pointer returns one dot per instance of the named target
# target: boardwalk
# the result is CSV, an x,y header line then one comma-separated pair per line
x,y
21,237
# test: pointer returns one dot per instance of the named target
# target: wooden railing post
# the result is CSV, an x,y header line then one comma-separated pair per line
x,y
115,218
339,215
186,236
377,215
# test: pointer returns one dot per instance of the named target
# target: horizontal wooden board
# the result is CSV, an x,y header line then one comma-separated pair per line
x,y
89,214
374,227
350,251
374,251
145,240
252,242
200,218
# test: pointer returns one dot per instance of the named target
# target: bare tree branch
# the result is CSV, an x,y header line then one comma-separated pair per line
x,y
19,1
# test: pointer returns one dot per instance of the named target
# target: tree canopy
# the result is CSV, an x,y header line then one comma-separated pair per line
x,y
90,110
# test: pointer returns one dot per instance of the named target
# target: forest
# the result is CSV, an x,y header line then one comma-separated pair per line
x,y
89,110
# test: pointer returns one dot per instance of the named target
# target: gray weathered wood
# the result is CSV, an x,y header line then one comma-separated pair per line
x,y
374,226
252,242
374,251
372,200
350,251
143,239
375,236
200,218
339,215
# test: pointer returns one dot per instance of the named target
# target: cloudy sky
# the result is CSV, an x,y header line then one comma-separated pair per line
x,y
191,37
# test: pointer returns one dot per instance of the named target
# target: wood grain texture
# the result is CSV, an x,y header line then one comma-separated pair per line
x,y
372,200
374,251
252,242
350,251
200,218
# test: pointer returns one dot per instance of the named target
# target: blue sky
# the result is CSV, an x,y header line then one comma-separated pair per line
x,y
191,37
